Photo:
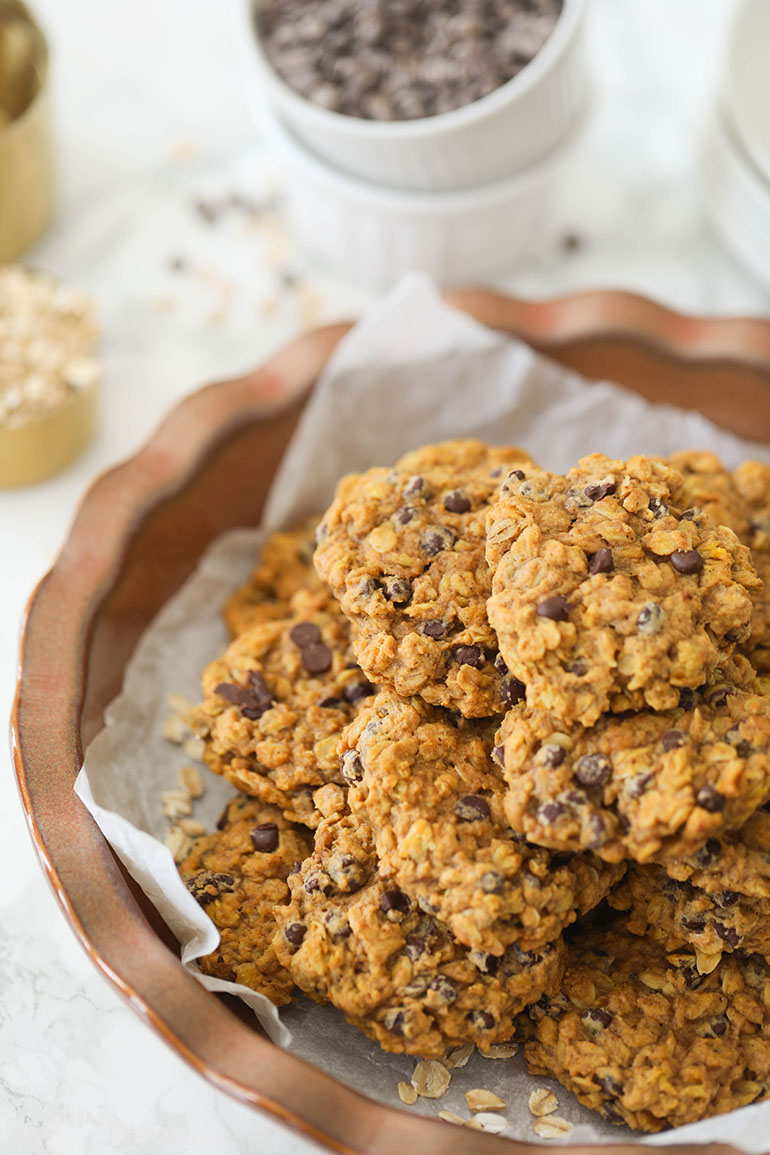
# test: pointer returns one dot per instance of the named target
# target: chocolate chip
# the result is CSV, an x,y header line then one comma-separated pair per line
x,y
265,837
744,749
368,587
443,988
728,934
512,691
436,539
719,1026
602,561
498,753
599,489
346,872
405,514
294,933
688,699
252,704
316,658
394,902
672,740
555,608
488,964
727,898
709,798
657,507
500,665
696,924
305,634
457,502
688,515
708,854
356,691
692,976
650,619
593,769
470,656
717,697
481,1020
415,487
395,1021
686,561
337,925
398,591
471,808
318,882
331,703
636,786
435,628
598,831
415,946
207,885
519,474
351,767
578,668
551,811
596,1017
609,1085
552,755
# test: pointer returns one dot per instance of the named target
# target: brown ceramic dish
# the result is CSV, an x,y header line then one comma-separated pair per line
x,y
139,533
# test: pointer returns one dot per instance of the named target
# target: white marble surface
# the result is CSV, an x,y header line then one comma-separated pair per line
x,y
150,119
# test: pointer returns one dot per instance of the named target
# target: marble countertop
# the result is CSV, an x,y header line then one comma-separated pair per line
x,y
170,215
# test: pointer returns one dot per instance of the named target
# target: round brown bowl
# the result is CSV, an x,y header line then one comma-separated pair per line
x,y
139,533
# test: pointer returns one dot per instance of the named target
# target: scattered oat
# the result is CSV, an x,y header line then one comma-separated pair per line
x,y
178,843
191,781
176,804
458,1057
495,1124
451,1117
542,1101
191,827
175,729
194,748
500,1051
180,705
407,1093
481,1100
552,1127
430,1079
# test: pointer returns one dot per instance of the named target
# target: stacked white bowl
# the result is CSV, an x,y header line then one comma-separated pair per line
x,y
458,195
736,162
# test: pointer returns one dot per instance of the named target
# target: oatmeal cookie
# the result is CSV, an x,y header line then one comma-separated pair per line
x,y
642,786
428,786
737,860
608,594
285,569
403,551
238,875
677,913
640,1036
752,480
350,936
274,706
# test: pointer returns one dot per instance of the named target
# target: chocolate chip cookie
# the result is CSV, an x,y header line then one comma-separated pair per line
x,y
608,592
427,784
285,569
642,786
640,1036
403,551
752,480
354,938
238,875
274,707
737,860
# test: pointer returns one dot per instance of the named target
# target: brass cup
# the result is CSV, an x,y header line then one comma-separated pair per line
x,y
26,152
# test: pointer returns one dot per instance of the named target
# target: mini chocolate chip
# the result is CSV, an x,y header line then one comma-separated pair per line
x,y
709,798
556,609
728,934
596,1017
727,898
719,1026
471,808
347,873
672,740
609,1085
598,830
435,628
207,885
686,561
695,924
405,514
497,472
599,489
551,811
576,798
415,487
500,665
398,591
692,976
318,882
265,837
305,633
351,767
356,691
637,785
457,502
337,925
512,691
601,562
415,946
444,989
688,699
498,753
578,668
417,986
488,964
519,474
436,539
650,619
593,769
492,882
331,703
368,587
394,902
481,1020
552,755
744,749
394,1021
657,507
470,656
717,697
294,933
316,658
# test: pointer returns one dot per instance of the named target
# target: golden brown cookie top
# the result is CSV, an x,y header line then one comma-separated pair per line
x,y
608,593
642,786
403,551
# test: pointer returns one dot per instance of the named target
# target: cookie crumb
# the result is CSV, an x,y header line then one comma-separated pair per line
x,y
407,1093
486,1121
430,1079
480,1100
500,1051
542,1101
458,1057
554,1127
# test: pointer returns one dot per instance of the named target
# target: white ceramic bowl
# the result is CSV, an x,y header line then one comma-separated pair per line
x,y
746,81
495,137
737,198
373,235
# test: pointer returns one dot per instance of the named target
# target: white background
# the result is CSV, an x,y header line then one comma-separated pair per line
x,y
150,118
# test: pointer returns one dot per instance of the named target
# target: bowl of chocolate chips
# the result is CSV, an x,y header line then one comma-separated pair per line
x,y
422,95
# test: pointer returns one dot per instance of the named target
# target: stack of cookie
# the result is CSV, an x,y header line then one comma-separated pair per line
x,y
504,687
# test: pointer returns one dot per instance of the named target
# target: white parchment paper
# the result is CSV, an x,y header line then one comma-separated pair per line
x,y
412,372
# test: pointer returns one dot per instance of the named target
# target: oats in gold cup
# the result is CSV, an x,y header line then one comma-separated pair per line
x,y
26,164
